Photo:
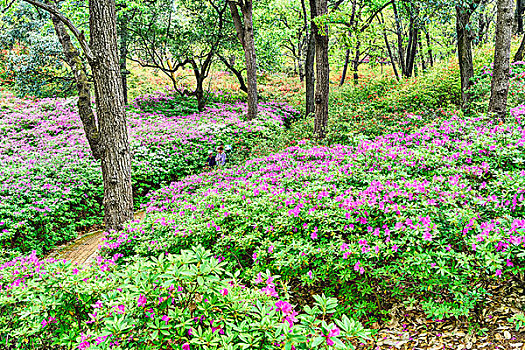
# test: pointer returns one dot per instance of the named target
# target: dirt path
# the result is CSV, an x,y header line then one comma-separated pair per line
x,y
85,248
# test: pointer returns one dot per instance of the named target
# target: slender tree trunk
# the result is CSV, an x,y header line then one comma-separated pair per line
x,y
429,48
520,4
464,43
399,33
345,67
411,50
230,64
123,54
422,55
85,111
389,50
357,61
116,156
322,88
244,30
521,50
309,65
501,75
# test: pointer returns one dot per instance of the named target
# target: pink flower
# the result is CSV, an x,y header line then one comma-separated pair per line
x,y
310,274
498,272
427,236
186,346
394,248
313,235
270,249
165,318
141,301
258,279
224,292
509,263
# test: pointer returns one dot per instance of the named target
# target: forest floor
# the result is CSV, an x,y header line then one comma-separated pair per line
x,y
408,327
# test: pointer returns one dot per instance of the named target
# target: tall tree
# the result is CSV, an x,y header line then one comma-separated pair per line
x,y
501,75
244,28
322,88
464,10
310,60
107,133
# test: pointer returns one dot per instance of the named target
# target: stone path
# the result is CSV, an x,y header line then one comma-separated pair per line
x,y
85,248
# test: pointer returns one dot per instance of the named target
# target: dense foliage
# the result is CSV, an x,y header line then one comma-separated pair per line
x,y
52,187
435,213
184,301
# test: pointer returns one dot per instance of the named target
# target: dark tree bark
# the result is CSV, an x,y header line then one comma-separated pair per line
x,y
309,64
123,34
357,61
322,88
107,133
464,43
429,48
501,75
230,64
345,67
399,33
244,30
422,55
520,7
521,50
116,159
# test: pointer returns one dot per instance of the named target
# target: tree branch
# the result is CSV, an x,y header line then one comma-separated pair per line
x,y
67,22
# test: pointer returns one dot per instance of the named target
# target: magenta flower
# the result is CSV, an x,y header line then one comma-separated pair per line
x,y
165,318
186,346
224,292
141,301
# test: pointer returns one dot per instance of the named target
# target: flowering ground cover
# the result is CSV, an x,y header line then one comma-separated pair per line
x,y
432,215
185,301
51,187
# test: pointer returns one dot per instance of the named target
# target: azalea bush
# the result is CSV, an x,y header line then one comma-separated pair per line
x,y
185,301
436,214
51,187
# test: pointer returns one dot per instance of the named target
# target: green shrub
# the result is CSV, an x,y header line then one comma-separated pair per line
x,y
184,301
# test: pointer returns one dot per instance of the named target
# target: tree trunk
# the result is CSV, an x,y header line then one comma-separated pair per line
x,y
464,42
429,48
345,67
309,66
399,33
411,50
520,4
123,27
245,34
116,156
521,50
422,55
357,61
501,75
72,57
230,64
322,88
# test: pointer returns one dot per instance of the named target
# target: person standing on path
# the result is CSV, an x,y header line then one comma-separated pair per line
x,y
221,156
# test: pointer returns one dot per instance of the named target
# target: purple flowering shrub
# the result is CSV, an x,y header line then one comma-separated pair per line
x,y
51,187
185,301
435,214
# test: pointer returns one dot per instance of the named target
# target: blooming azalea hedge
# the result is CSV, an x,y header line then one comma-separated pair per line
x,y
437,213
185,301
51,187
